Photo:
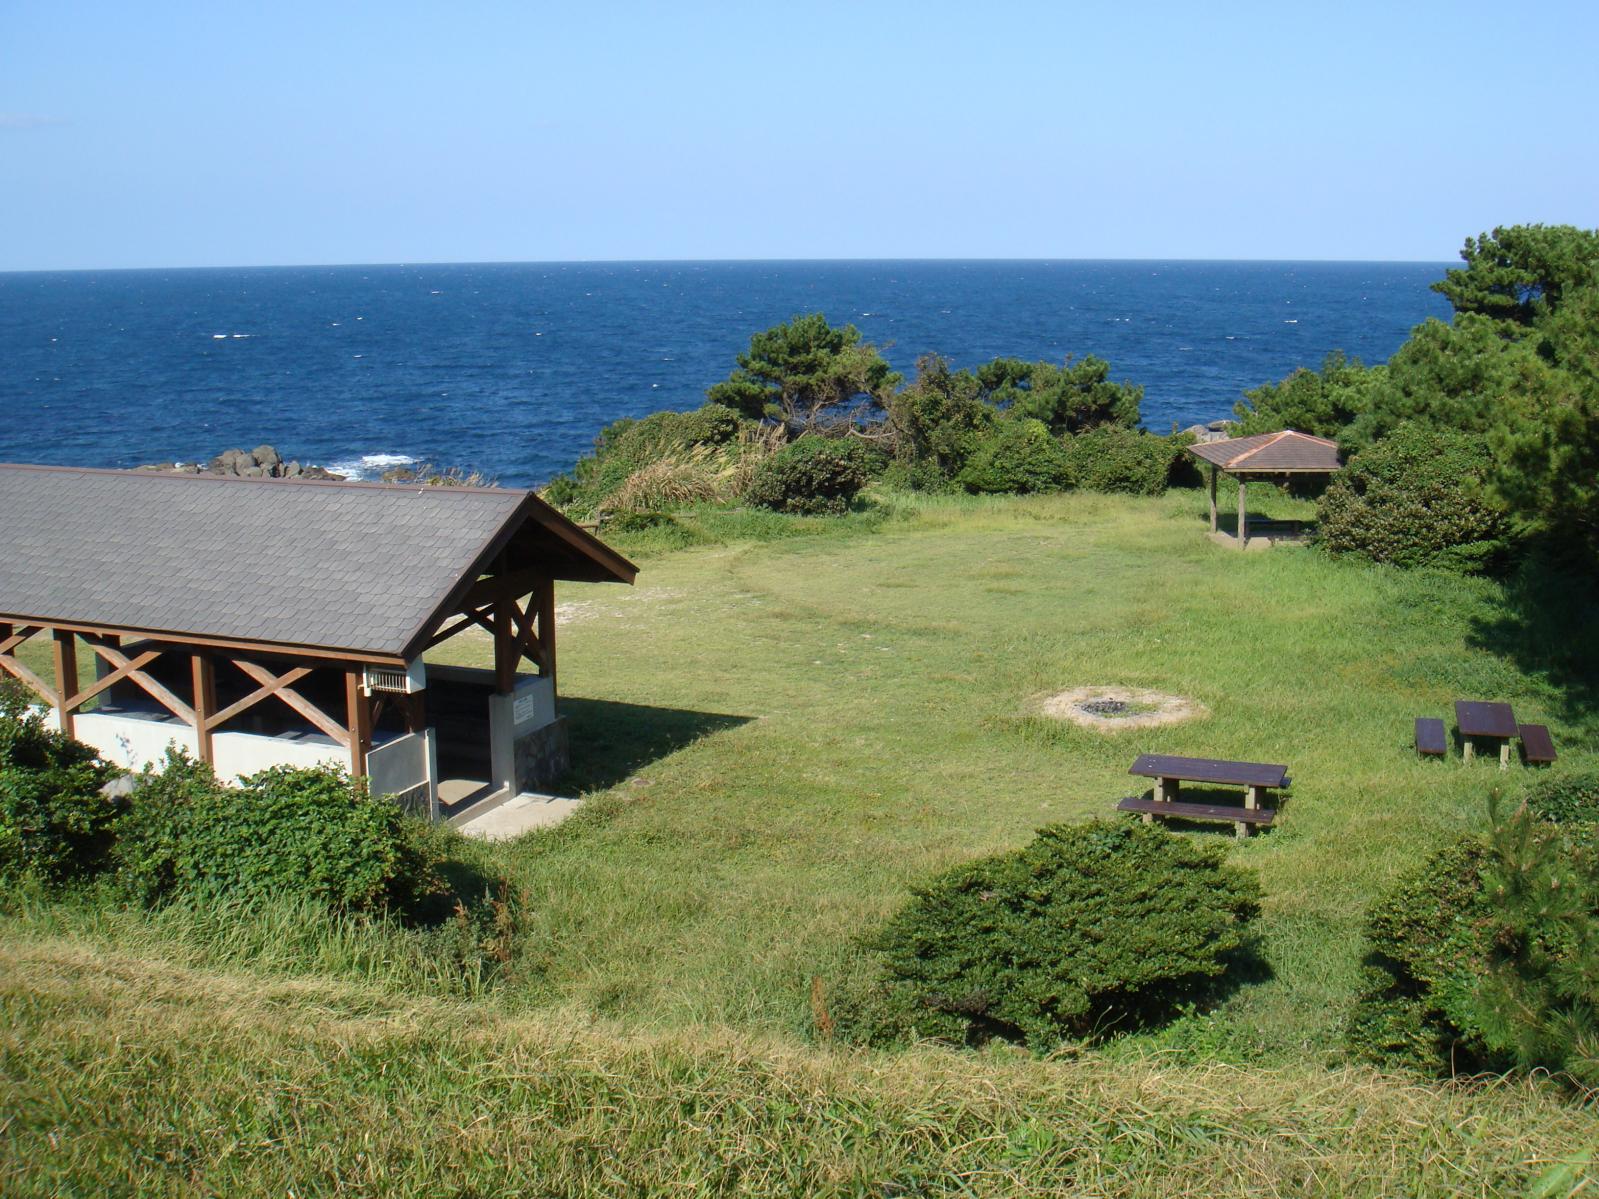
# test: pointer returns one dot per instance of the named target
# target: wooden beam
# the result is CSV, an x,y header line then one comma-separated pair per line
x,y
205,705
358,713
172,703
515,584
544,600
277,684
11,637
505,651
109,680
1212,497
41,688
66,664
1243,514
233,644
339,733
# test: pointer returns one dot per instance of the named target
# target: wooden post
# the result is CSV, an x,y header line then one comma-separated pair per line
x,y
1504,753
1213,498
66,663
505,652
205,704
544,600
358,715
1243,514
1467,748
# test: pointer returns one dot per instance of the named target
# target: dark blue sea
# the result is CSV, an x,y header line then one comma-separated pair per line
x,y
513,368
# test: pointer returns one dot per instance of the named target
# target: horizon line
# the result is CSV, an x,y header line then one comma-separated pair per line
x,y
426,262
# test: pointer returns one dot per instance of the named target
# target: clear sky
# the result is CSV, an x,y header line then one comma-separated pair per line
x,y
159,134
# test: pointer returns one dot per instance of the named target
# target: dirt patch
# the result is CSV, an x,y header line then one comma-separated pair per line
x,y
1111,709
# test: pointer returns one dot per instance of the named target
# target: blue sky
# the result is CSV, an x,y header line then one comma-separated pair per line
x,y
210,134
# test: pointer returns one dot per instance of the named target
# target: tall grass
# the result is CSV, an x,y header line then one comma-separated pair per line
x,y
122,1075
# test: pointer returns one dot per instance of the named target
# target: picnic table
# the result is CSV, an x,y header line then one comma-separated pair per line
x,y
1486,721
1170,772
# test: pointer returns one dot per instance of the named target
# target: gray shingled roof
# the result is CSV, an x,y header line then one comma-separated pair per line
x,y
1271,453
358,568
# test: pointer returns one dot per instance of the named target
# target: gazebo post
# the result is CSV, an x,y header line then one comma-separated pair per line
x,y
1243,513
1212,497
66,664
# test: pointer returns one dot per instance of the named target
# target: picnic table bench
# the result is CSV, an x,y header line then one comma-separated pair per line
x,y
1485,721
1170,772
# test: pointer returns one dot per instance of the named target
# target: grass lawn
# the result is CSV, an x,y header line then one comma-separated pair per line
x,y
776,739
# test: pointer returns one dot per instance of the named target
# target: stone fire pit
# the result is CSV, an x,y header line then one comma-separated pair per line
x,y
1111,709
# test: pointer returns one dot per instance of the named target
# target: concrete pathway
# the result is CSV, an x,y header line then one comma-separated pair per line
x,y
518,815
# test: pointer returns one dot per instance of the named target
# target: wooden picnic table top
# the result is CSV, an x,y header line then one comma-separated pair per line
x,y
1210,770
1484,719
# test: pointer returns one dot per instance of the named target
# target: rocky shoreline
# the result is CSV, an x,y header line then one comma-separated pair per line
x,y
263,462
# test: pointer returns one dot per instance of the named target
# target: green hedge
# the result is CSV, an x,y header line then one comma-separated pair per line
x,y
1088,929
1115,459
311,831
54,821
812,476
1021,456
1417,498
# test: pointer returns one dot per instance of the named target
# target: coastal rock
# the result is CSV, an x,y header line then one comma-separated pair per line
x,y
1220,426
263,462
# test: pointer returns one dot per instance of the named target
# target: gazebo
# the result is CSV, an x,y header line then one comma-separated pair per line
x,y
1270,457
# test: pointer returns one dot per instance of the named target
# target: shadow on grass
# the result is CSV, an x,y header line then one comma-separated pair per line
x,y
1544,625
612,741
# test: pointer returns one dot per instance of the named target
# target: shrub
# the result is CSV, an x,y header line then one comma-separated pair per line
x,y
54,821
1487,958
1416,498
1116,459
1086,929
811,476
1565,798
312,832
1426,942
628,446
1022,456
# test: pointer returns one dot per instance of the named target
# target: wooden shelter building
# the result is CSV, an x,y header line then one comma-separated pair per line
x,y
1271,457
261,622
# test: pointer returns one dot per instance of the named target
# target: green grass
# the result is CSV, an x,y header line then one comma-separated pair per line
x,y
781,728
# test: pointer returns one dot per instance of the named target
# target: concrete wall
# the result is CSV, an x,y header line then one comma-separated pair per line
x,y
512,719
395,766
133,742
401,766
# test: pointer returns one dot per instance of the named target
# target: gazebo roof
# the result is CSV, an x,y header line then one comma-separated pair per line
x,y
359,569
1285,453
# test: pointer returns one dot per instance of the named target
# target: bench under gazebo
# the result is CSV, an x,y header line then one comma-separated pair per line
x,y
1267,457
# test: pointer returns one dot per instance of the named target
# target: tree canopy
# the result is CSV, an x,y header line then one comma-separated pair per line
x,y
804,370
1521,273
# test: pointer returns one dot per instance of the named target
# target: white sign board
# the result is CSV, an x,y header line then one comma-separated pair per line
x,y
525,708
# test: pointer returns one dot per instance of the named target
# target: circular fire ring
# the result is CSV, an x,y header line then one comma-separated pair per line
x,y
1111,709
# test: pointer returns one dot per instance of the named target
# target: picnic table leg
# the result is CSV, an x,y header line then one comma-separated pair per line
x,y
1466,748
1504,753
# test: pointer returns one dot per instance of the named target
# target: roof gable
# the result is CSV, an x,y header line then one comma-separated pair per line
x,y
1286,452
351,568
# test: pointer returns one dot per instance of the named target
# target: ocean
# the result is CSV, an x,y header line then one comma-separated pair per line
x,y
513,368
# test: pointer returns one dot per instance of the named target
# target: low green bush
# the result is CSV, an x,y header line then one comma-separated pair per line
x,y
1019,457
1565,798
1426,948
1487,957
1417,498
312,832
1117,459
55,823
812,476
1089,929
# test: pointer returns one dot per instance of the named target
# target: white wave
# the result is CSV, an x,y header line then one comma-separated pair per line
x,y
370,466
